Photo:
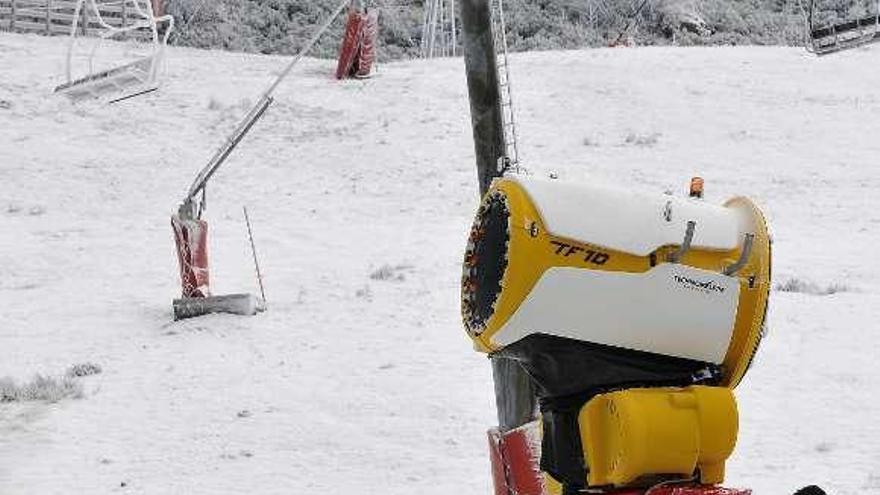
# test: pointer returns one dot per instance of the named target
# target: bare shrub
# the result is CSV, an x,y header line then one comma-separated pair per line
x,y
805,287
391,273
83,369
40,388
634,139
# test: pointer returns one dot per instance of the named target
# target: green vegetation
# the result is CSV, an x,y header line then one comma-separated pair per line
x,y
282,26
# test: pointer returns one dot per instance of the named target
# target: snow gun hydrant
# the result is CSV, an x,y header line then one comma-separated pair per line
x,y
635,316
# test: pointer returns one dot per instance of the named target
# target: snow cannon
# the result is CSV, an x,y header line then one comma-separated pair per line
x,y
635,315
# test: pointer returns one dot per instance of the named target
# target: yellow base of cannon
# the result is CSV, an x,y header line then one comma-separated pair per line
x,y
672,431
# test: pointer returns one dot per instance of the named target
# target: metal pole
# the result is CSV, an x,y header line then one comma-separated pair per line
x,y
432,28
514,391
425,10
308,46
434,25
482,81
443,39
254,114
84,20
74,23
438,32
247,220
452,18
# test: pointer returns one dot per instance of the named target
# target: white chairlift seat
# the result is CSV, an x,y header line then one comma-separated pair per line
x,y
130,78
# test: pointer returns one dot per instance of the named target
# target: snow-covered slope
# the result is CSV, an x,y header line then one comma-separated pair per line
x,y
359,378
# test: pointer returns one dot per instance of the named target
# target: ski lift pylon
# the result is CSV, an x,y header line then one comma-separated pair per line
x,y
126,80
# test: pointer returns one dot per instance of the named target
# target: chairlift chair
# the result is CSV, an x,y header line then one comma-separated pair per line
x,y
838,36
129,79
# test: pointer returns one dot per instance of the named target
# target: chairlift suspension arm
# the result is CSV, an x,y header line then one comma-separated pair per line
x,y
255,113
229,145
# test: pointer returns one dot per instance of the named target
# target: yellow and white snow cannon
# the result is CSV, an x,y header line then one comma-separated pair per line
x,y
635,315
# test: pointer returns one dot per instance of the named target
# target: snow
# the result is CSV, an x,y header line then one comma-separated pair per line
x,y
367,384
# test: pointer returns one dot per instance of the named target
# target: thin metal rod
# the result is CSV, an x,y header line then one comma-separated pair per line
x,y
685,244
452,19
247,220
229,145
743,256
308,46
258,109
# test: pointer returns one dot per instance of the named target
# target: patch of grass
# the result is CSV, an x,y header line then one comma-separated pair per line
x,y
83,369
805,287
40,388
394,273
634,139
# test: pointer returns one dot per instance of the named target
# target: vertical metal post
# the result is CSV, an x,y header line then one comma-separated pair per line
x,y
514,391
452,19
432,28
48,17
424,47
84,21
446,39
12,18
482,81
442,28
446,35
515,398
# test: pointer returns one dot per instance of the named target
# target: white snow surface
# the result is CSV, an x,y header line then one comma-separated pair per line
x,y
353,384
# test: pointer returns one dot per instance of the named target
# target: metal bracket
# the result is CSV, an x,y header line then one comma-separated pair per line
x,y
667,211
743,256
685,244
504,165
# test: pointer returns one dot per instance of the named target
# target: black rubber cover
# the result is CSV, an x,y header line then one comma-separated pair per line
x,y
568,373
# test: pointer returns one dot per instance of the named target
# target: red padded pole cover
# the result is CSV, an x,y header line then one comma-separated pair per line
x,y
191,239
516,458
369,36
351,42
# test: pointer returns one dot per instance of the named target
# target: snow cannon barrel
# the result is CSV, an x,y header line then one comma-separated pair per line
x,y
656,285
